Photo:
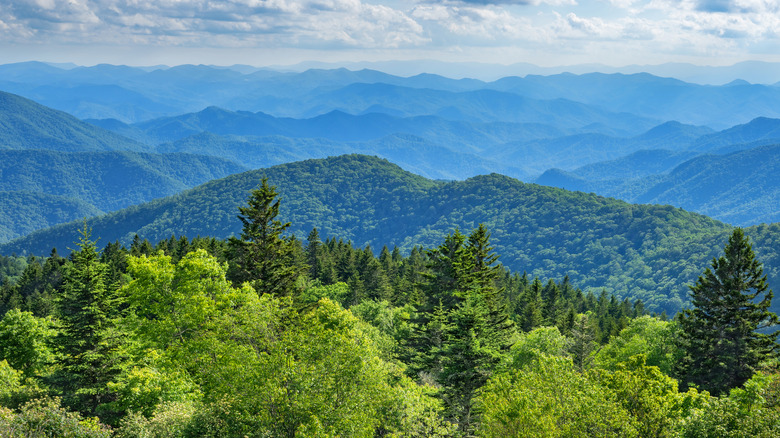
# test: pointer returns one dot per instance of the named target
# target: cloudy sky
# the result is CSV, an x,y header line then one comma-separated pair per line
x,y
273,32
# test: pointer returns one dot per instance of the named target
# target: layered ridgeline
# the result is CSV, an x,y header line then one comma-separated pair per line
x,y
25,124
55,168
136,94
740,188
638,251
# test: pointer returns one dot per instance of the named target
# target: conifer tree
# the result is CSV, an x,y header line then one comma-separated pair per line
x,y
719,334
479,329
263,256
532,306
314,254
87,341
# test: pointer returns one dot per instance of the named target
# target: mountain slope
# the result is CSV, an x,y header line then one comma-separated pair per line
x,y
740,188
24,212
25,124
73,185
640,251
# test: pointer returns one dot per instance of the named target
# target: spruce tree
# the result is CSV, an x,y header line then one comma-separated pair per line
x,y
720,334
263,256
88,340
479,329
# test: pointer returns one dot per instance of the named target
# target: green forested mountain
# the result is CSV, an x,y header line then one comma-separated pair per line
x,y
639,251
25,124
42,188
24,212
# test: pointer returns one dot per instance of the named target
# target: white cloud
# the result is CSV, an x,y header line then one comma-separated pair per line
x,y
606,30
235,22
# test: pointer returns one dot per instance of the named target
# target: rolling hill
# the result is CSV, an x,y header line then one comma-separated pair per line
x,y
641,251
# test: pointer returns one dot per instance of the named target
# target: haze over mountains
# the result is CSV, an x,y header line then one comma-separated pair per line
x,y
131,141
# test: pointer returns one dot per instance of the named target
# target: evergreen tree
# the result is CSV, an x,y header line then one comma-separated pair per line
x,y
479,331
720,333
314,253
263,256
87,341
532,306
582,334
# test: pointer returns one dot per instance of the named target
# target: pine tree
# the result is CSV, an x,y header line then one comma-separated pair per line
x,y
263,256
720,333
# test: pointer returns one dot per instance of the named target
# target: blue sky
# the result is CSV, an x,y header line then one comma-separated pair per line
x,y
277,32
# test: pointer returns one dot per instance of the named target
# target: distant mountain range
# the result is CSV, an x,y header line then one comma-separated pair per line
x,y
633,168
132,94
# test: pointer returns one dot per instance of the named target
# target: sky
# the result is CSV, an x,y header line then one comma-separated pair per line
x,y
282,32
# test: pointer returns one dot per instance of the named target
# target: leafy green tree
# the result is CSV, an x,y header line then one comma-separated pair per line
x,y
651,397
25,341
46,418
549,398
720,334
647,335
745,413
540,341
263,256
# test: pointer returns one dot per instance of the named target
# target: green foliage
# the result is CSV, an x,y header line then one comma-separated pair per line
x,y
143,389
549,398
25,341
414,411
172,303
651,397
174,420
46,418
744,413
646,335
542,341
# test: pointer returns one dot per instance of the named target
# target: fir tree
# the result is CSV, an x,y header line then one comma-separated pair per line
x,y
263,256
720,333
88,341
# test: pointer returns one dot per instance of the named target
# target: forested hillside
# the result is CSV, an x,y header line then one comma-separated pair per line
x,y
42,188
636,251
